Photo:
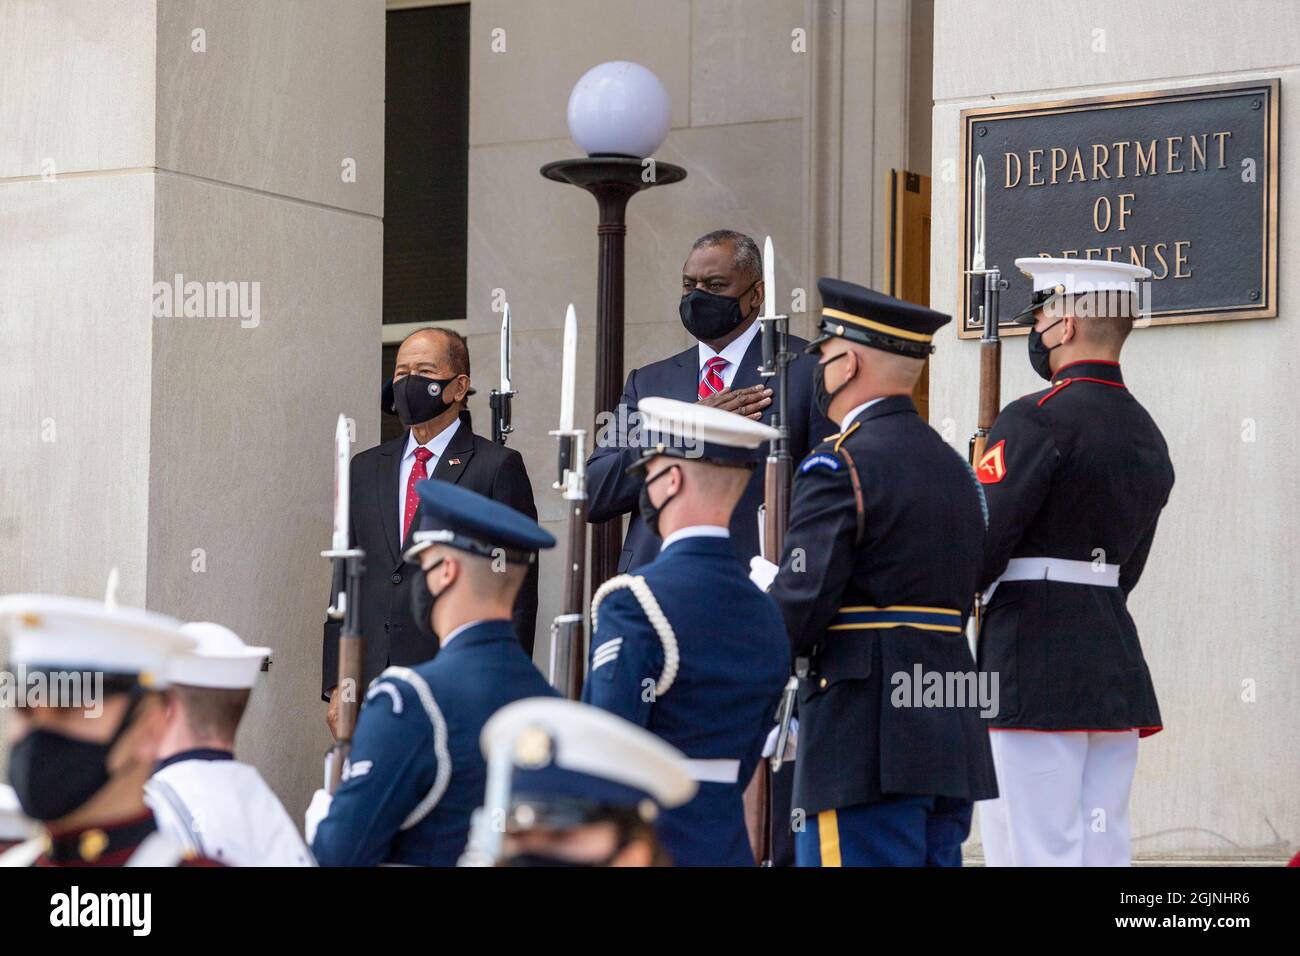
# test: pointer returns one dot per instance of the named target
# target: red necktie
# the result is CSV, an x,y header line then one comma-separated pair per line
x,y
418,473
712,382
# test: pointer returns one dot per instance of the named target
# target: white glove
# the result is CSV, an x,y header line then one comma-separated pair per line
x,y
762,572
791,741
317,810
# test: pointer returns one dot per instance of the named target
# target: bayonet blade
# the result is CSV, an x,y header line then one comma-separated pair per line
x,y
977,257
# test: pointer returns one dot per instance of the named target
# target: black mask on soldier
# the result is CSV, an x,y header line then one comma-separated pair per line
x,y
709,316
650,513
419,399
822,397
1039,353
423,600
53,774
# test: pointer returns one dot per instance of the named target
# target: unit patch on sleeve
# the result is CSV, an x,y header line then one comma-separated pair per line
x,y
820,461
992,467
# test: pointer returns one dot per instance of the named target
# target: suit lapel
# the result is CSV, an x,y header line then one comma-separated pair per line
x,y
455,459
390,473
747,374
686,381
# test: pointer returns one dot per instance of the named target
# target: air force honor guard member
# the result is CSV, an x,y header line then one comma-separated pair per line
x,y
688,647
571,785
202,797
876,581
416,773
79,766
1075,476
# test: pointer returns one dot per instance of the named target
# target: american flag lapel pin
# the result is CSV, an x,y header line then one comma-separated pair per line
x,y
454,461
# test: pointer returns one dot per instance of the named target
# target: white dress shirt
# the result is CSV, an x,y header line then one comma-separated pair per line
x,y
436,445
696,531
733,353
847,420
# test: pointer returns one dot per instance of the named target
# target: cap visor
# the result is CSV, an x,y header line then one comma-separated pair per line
x,y
816,343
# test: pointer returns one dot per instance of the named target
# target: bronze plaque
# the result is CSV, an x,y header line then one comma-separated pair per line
x,y
1181,181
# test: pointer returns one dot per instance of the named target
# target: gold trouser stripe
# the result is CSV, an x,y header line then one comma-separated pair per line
x,y
878,326
828,831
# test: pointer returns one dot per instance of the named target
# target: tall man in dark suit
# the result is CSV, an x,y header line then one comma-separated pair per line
x,y
431,381
722,295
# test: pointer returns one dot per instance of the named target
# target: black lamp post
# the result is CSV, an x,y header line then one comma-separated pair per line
x,y
613,180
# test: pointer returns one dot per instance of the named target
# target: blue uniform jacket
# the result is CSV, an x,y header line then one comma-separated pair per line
x,y
416,772
734,659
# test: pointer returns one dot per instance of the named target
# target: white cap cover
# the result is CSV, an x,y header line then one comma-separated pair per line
x,y
218,659
53,632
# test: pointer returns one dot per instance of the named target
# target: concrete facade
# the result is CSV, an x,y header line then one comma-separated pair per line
x,y
192,453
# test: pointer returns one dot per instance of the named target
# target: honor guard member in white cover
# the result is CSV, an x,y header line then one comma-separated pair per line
x,y
203,797
575,786
688,647
1075,476
876,581
416,773
79,756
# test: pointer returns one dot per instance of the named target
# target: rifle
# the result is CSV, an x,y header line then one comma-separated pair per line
x,y
568,646
349,565
499,399
986,289
774,518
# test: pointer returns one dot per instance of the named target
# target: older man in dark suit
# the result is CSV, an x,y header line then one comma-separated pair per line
x,y
722,295
431,381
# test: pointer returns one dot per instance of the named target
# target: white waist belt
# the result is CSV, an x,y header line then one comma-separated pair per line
x,y
1056,569
714,771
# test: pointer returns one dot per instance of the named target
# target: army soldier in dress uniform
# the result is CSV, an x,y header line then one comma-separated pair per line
x,y
78,762
202,796
876,581
416,772
574,786
1076,476
689,648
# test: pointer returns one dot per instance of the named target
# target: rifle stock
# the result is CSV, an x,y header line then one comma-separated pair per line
x,y
351,647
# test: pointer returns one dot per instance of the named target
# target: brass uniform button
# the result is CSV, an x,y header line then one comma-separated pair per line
x,y
92,845
822,682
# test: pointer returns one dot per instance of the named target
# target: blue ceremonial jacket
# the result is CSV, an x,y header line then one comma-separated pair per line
x,y
416,772
733,661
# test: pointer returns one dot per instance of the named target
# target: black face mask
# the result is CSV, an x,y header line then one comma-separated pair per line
x,y
53,774
649,513
1039,353
419,399
422,602
543,859
822,397
709,316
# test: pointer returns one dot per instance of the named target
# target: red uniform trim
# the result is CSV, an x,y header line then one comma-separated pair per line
x,y
1078,378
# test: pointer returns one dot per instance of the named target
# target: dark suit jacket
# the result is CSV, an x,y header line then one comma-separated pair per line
x,y
611,493
387,627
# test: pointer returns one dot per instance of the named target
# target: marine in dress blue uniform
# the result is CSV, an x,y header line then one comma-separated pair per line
x,y
875,584
575,786
689,648
416,773
1076,476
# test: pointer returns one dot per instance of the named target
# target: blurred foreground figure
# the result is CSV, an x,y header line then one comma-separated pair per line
x,y
569,785
203,797
79,757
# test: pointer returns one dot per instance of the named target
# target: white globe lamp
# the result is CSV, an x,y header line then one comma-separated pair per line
x,y
619,109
